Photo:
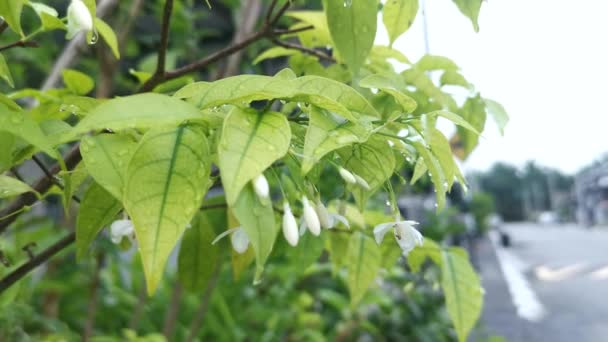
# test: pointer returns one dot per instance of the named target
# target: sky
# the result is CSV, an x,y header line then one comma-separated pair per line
x,y
546,61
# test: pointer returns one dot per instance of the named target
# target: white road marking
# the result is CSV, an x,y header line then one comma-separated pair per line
x,y
548,274
525,300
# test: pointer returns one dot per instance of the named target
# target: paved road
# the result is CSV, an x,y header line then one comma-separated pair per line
x,y
550,285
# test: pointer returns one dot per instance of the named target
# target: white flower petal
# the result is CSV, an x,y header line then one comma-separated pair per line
x,y
407,236
223,234
381,229
310,217
79,18
120,229
302,227
336,217
324,216
362,182
347,176
239,240
290,226
260,185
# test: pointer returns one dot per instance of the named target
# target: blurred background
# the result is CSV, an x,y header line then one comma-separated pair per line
x,y
534,221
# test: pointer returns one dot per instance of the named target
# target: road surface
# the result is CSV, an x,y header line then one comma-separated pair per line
x,y
550,285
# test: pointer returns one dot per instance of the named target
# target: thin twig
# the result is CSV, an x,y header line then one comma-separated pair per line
x,y
280,13
172,311
50,176
269,12
304,49
19,43
36,261
279,32
164,37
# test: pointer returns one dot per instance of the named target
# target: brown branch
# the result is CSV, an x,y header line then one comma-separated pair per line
x,y
172,311
19,43
280,13
268,19
279,32
36,261
304,49
164,38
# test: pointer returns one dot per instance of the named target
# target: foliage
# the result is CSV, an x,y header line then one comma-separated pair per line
x,y
482,205
160,153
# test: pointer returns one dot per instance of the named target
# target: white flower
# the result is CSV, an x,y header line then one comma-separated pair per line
x,y
290,226
362,182
406,235
120,229
79,18
310,218
347,176
329,220
238,238
260,185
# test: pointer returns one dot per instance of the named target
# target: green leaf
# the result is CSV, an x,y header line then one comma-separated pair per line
x,y
106,157
419,170
22,126
108,35
308,250
274,52
249,144
327,133
77,82
474,112
417,256
498,113
10,187
7,141
363,265
423,82
338,249
138,111
5,72
470,8
432,62
385,53
440,147
319,36
463,292
98,208
388,86
50,22
320,91
457,119
10,10
452,77
373,161
398,16
352,28
166,180
257,219
198,259
435,172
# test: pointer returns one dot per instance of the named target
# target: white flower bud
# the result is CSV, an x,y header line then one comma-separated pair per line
x,y
120,229
260,185
362,182
310,217
324,218
239,240
347,176
79,18
290,226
